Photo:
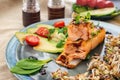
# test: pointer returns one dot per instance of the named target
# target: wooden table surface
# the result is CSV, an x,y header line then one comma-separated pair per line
x,y
11,22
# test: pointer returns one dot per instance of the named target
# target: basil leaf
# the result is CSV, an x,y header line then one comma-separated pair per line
x,y
19,70
45,61
28,66
31,64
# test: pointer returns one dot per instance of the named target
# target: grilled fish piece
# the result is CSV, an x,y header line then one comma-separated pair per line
x,y
81,40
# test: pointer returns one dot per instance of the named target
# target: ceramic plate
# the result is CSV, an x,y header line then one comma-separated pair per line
x,y
15,52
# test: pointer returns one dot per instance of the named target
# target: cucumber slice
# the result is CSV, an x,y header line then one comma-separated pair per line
x,y
107,17
100,12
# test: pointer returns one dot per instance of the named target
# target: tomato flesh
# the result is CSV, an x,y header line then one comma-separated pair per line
x,y
100,4
81,2
32,40
43,32
109,4
91,3
59,24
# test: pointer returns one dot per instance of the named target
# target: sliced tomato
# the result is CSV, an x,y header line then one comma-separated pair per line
x,y
32,40
109,4
43,32
81,2
91,3
100,4
59,24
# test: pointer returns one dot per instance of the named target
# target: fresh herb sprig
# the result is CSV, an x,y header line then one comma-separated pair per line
x,y
62,42
63,30
78,9
28,66
51,31
81,18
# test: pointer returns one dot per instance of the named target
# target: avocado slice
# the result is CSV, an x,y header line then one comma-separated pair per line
x,y
21,36
44,46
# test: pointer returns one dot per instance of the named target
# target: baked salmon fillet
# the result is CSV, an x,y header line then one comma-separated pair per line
x,y
82,38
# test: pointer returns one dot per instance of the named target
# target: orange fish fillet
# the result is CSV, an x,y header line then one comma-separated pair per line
x,y
79,43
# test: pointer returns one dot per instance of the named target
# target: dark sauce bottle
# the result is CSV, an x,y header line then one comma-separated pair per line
x,y
30,12
56,9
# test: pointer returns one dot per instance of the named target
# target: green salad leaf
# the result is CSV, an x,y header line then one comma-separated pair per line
x,y
62,30
60,44
51,30
28,66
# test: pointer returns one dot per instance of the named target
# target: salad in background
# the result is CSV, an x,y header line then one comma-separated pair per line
x,y
99,9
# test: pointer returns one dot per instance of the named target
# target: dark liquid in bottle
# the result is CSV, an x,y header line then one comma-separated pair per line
x,y
29,18
55,13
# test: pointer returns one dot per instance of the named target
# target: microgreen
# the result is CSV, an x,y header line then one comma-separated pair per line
x,y
51,31
62,30
81,18
60,44
77,8
88,57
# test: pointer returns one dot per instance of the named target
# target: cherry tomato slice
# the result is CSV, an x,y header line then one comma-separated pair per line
x,y
59,24
43,32
32,40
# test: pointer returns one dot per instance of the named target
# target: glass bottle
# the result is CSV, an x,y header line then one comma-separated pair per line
x,y
56,9
30,12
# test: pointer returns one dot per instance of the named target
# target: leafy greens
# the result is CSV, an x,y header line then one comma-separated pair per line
x,y
28,66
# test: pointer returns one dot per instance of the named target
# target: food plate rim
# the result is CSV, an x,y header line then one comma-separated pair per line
x,y
26,77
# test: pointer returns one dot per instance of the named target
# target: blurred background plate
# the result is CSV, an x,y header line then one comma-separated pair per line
x,y
117,5
99,17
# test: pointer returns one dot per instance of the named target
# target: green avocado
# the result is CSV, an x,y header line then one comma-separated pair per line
x,y
45,45
100,12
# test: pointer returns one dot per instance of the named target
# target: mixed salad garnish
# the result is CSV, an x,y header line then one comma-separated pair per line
x,y
46,38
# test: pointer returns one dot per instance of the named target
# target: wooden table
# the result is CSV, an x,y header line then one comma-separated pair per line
x,y
11,22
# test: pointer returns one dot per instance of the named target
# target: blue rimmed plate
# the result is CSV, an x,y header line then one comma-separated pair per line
x,y
15,52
